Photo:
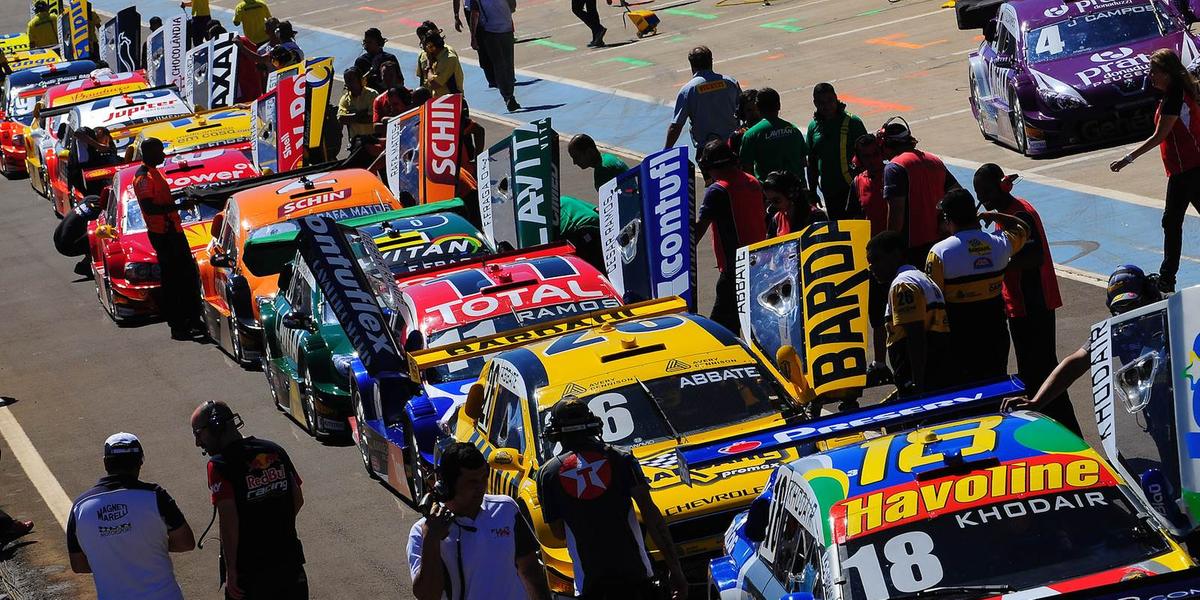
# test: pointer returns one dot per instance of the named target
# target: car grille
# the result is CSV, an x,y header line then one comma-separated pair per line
x,y
699,528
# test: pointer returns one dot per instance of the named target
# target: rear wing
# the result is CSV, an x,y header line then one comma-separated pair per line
x,y
473,348
218,194
63,109
559,248
901,414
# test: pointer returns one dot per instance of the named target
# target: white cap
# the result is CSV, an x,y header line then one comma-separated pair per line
x,y
122,443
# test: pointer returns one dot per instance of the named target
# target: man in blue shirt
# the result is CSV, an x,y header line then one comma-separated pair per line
x,y
491,30
709,100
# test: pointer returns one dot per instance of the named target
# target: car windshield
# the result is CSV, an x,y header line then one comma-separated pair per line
x,y
337,214
134,222
644,412
1097,32
1033,541
470,369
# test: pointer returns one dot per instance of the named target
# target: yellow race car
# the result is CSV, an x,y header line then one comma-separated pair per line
x,y
201,131
660,383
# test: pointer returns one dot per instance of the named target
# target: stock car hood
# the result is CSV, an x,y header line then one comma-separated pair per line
x,y
1117,75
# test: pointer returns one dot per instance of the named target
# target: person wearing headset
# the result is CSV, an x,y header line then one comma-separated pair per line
x,y
587,494
913,183
256,493
472,545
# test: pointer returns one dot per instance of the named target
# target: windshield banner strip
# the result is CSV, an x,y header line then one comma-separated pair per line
x,y
425,359
327,252
892,414
1013,480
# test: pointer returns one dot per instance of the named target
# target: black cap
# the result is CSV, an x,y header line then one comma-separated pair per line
x,y
374,34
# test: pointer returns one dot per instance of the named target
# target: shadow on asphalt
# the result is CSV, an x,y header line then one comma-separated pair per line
x,y
530,39
525,109
9,549
526,82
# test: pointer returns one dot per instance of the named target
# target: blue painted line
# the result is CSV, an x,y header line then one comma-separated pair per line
x,y
1109,231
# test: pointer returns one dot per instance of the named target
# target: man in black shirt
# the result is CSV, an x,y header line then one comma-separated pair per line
x,y
373,57
588,492
256,491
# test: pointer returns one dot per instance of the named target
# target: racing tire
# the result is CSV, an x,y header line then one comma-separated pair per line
x,y
360,418
235,339
1018,123
978,106
268,372
110,305
308,405
417,481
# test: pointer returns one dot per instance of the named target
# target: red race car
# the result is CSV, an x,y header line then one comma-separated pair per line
x,y
20,95
123,262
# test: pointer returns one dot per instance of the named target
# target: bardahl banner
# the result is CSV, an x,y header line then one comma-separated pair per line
x,y
422,151
347,292
834,279
519,198
318,84
645,224
166,53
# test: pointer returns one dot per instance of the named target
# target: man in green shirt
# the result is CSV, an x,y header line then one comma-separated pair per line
x,y
579,223
586,155
831,136
773,144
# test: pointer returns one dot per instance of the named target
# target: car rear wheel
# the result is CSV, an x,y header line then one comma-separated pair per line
x,y
308,403
413,469
360,417
269,372
235,338
1018,123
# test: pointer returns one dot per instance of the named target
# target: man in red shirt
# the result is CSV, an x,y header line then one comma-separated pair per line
x,y
866,200
393,100
179,297
1030,291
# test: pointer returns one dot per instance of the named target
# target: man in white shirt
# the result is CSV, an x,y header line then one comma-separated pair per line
x,y
121,530
472,545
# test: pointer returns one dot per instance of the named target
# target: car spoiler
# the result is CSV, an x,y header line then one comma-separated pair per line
x,y
267,255
133,130
107,172
218,194
558,248
349,294
66,108
420,360
1176,585
894,414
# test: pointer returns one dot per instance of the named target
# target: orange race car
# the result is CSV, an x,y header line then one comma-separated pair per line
x,y
266,206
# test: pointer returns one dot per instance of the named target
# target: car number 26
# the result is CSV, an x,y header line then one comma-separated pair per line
x,y
911,565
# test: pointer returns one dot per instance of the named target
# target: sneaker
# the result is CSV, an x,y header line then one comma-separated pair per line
x,y
598,39
1165,286
181,334
878,374
512,105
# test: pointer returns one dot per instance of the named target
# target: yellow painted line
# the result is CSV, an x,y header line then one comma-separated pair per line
x,y
35,468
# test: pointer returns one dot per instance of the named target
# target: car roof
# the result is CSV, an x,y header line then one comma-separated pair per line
x,y
857,475
665,345
201,130
51,72
1037,13
296,197
455,298
93,87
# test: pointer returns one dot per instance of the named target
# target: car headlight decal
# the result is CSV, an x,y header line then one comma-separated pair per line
x,y
1057,94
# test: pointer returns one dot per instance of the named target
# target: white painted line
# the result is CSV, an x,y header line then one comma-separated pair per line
x,y
939,116
35,468
1078,159
868,27
1081,276
1137,199
319,10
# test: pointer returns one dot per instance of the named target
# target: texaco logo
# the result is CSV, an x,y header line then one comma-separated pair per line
x,y
1108,55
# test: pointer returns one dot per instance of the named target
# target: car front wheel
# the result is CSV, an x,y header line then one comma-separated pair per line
x,y
413,469
1018,123
360,417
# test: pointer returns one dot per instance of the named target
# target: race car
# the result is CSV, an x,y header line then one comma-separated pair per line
x,y
124,263
483,297
114,112
40,155
262,207
306,355
24,59
1052,77
1010,505
207,129
20,95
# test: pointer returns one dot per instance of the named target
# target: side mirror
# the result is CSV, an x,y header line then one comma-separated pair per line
x,y
220,259
506,459
473,407
217,221
1004,62
989,31
285,276
106,232
299,320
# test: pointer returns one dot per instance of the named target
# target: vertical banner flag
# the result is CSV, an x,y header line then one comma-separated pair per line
x,y
290,102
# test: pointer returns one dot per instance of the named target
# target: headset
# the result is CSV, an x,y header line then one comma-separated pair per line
x,y
555,430
882,135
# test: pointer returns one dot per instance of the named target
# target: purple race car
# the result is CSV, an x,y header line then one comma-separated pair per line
x,y
1051,77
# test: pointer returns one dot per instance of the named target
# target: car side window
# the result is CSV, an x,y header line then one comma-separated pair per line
x,y
506,425
1007,45
789,549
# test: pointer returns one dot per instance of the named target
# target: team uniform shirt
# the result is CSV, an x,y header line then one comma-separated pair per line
x,y
1181,148
391,103
924,180
42,31
355,105
1034,289
200,8
969,265
154,195
831,145
710,101
735,208
252,15
868,191
914,298
489,545
590,491
494,15
576,215
259,477
609,168
121,525
447,76
774,144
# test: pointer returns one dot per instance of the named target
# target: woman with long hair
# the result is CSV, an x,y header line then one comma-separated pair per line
x,y
788,208
1177,135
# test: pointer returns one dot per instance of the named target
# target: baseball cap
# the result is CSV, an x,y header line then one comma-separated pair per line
x,y
571,415
119,444
1128,288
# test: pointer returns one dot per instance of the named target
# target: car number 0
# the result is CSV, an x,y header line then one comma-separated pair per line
x,y
618,422
914,566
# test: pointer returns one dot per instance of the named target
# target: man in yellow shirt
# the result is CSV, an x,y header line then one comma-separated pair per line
x,y
355,107
201,16
252,15
438,68
42,29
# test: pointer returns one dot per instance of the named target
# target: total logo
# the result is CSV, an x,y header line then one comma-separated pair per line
x,y
489,305
1108,55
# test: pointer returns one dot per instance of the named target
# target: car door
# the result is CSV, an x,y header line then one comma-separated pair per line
x,y
1001,70
298,301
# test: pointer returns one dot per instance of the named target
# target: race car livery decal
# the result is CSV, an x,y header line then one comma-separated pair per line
x,y
265,145
33,58
290,103
98,92
222,72
73,30
318,82
422,151
13,42
486,306
196,69
519,196
307,202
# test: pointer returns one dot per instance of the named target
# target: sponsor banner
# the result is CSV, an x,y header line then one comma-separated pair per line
x,y
76,45
222,71
493,171
483,175
13,42
166,54
196,73
833,271
108,42
535,183
318,73
922,500
329,257
126,40
33,58
96,93
403,168
441,143
645,224
264,149
145,105
290,102
422,149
